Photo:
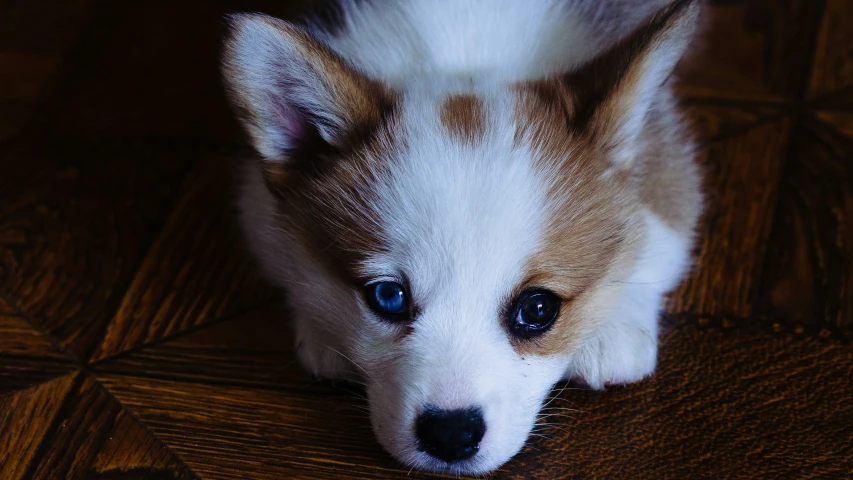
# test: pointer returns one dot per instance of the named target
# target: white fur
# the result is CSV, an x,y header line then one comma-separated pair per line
x,y
459,221
402,40
624,349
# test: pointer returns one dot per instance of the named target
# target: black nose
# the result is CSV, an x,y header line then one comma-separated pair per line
x,y
450,435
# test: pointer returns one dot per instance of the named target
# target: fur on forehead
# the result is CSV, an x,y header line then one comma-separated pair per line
x,y
438,147
503,157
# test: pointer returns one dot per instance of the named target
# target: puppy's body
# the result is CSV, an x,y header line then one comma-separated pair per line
x,y
471,151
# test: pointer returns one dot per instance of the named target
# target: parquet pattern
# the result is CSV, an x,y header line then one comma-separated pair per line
x,y
137,340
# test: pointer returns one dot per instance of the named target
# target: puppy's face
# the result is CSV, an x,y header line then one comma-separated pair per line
x,y
456,246
467,260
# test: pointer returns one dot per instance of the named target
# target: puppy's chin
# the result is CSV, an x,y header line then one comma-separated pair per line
x,y
497,447
474,466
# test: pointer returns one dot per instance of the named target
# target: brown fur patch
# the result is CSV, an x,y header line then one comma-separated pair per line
x,y
359,99
322,185
572,124
328,205
592,217
542,112
464,117
667,170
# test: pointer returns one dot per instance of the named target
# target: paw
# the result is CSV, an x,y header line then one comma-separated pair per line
x,y
319,355
618,354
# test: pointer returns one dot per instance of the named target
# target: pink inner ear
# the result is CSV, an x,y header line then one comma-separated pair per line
x,y
290,120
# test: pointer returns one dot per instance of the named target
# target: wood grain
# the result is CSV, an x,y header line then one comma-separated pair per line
x,y
684,420
832,69
713,120
742,177
25,417
687,421
131,451
20,373
842,122
228,432
118,246
808,280
751,50
76,223
93,434
840,101
251,349
20,339
197,270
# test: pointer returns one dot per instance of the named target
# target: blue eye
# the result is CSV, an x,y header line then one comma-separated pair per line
x,y
387,298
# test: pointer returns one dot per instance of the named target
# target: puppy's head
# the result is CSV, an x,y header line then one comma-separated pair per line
x,y
456,243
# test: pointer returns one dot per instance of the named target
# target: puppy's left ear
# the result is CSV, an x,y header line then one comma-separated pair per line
x,y
610,96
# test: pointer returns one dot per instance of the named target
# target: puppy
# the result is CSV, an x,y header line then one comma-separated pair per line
x,y
468,201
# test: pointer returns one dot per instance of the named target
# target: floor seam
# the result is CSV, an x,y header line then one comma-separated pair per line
x,y
183,332
144,425
34,324
64,409
168,211
735,132
757,276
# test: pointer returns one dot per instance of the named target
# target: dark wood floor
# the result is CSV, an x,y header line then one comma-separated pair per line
x,y
137,340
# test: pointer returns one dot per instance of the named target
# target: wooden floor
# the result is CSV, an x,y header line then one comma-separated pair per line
x,y
137,340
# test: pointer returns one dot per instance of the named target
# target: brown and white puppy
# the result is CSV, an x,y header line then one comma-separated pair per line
x,y
468,201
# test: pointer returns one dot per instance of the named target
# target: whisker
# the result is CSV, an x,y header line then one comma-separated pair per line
x,y
554,417
355,394
561,408
558,426
354,363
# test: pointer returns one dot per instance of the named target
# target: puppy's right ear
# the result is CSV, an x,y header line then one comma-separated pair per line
x,y
290,88
610,96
